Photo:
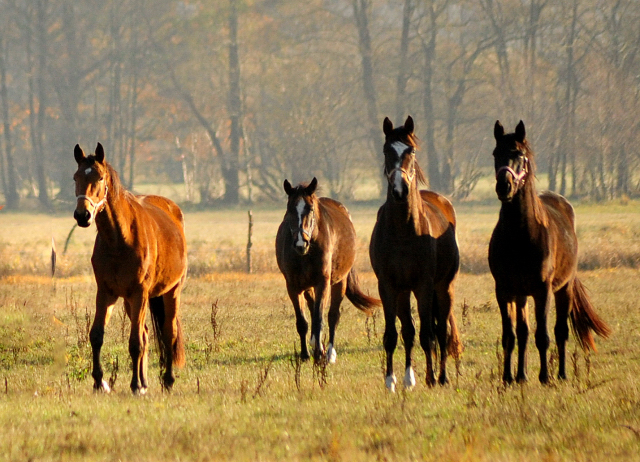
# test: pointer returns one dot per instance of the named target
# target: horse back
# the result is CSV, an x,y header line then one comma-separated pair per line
x,y
167,205
443,215
559,208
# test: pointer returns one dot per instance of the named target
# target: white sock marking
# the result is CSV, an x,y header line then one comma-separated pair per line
x,y
105,387
331,354
390,382
409,378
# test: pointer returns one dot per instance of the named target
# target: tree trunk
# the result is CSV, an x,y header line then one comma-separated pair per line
x,y
361,14
8,171
231,169
403,65
429,47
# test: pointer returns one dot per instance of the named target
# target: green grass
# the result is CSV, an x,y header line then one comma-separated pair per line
x,y
238,398
241,395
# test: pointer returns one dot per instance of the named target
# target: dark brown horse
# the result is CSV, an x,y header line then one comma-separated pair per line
x,y
140,254
413,249
315,250
534,252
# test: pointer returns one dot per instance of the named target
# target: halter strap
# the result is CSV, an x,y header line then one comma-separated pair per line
x,y
96,205
518,177
401,170
313,225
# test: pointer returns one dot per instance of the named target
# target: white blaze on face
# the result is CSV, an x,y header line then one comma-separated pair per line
x,y
399,148
87,171
409,378
300,210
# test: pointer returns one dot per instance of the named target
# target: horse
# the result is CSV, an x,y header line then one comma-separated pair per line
x,y
413,249
315,251
140,254
534,252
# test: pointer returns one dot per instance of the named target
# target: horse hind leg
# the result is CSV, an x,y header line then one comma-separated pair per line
x,y
561,329
337,295
137,346
172,338
542,336
427,326
104,306
522,332
443,307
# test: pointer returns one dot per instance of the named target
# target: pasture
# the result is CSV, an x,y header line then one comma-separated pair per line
x,y
243,395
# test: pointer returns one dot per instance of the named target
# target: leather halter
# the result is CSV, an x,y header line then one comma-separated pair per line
x,y
96,205
402,170
518,178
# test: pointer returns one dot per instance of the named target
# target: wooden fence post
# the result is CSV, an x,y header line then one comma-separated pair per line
x,y
249,243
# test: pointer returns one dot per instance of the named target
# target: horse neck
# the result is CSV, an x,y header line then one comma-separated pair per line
x,y
406,215
525,211
114,222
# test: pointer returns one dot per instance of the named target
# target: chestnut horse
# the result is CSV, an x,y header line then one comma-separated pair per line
x,y
534,252
315,250
140,254
414,249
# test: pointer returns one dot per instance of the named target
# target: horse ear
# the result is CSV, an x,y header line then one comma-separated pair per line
x,y
78,154
287,187
408,125
498,130
99,153
312,186
520,132
387,126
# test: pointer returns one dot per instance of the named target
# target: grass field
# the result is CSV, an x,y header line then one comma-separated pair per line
x,y
242,394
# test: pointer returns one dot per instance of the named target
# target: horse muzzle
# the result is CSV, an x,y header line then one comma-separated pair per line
x,y
83,218
300,244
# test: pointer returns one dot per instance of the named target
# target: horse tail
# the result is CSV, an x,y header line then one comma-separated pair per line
x,y
355,295
156,306
584,319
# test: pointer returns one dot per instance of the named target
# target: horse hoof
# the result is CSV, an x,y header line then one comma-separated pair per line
x,y
331,354
102,388
522,379
443,380
409,378
304,356
390,382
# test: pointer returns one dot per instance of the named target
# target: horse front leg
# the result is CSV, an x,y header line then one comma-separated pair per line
x,y
337,295
138,342
561,329
408,331
508,315
522,332
542,300
104,305
321,297
389,299
301,323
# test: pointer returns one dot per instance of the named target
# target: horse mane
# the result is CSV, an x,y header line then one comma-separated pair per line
x,y
116,188
530,186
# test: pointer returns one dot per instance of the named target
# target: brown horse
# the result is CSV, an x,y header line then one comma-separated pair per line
x,y
315,250
413,249
533,252
140,254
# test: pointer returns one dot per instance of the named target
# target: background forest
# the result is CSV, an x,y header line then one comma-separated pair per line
x,y
229,97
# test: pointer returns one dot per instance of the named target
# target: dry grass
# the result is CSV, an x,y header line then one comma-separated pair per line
x,y
243,396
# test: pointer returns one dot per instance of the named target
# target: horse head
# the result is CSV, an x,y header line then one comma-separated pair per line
x,y
91,185
511,159
399,150
302,208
